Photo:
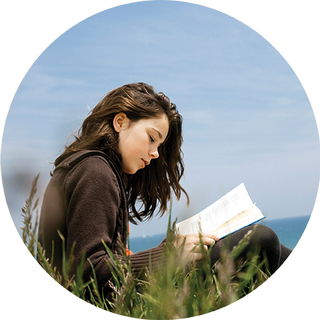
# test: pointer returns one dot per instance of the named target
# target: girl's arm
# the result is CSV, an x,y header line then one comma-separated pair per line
x,y
94,214
93,201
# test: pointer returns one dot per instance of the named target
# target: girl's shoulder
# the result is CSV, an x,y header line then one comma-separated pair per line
x,y
94,164
88,156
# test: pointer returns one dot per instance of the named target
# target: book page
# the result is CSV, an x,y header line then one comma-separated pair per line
x,y
241,220
218,213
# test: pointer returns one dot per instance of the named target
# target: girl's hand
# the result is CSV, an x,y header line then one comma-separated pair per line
x,y
190,245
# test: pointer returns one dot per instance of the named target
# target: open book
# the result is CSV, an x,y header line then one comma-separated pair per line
x,y
230,213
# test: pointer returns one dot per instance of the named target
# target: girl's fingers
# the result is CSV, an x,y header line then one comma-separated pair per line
x,y
196,236
212,236
208,241
194,245
197,248
196,256
194,239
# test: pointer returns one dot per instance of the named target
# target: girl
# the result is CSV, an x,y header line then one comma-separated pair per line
x,y
124,164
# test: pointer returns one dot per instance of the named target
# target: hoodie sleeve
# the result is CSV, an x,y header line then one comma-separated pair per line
x,y
93,202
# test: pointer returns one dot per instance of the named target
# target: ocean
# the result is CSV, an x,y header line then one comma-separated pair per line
x,y
289,231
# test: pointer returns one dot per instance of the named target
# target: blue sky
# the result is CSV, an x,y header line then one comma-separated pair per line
x,y
246,115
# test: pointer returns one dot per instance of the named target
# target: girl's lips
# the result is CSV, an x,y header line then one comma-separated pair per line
x,y
145,163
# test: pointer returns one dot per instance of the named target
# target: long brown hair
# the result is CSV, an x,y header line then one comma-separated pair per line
x,y
154,184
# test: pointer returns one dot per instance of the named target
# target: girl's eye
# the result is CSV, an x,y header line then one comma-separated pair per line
x,y
151,139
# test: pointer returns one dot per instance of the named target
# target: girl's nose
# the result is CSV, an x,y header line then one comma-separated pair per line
x,y
154,154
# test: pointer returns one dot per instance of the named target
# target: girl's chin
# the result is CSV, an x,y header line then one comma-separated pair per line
x,y
130,170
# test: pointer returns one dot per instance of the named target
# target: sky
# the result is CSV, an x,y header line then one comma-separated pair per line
x,y
246,115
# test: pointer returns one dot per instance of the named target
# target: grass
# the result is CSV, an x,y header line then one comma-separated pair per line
x,y
170,292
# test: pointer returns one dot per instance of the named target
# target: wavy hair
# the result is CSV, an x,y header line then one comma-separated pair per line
x,y
153,185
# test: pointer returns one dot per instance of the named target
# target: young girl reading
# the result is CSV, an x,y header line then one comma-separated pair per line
x,y
126,163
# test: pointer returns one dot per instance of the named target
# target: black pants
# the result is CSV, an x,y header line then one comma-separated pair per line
x,y
263,241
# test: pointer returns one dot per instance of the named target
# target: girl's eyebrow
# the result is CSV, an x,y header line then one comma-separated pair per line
x,y
158,132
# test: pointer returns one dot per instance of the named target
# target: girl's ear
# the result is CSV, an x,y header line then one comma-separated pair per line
x,y
120,121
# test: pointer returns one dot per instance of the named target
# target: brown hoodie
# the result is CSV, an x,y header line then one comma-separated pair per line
x,y
85,200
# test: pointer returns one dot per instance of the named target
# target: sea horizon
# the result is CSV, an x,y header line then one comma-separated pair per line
x,y
289,231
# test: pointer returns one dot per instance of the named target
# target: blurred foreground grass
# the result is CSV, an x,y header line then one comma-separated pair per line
x,y
170,292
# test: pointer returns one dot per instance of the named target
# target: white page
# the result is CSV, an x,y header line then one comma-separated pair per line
x,y
241,220
228,206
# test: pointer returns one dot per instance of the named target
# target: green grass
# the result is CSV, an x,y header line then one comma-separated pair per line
x,y
170,292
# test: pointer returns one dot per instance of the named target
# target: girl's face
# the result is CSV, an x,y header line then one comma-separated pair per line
x,y
139,141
